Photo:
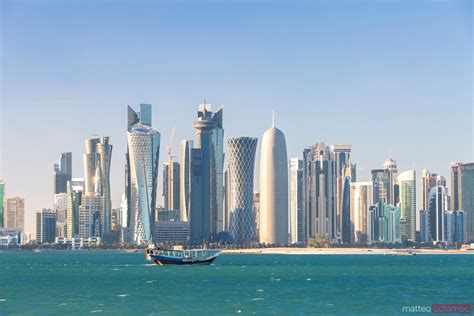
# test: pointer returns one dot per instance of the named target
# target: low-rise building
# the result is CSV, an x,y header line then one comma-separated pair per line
x,y
176,232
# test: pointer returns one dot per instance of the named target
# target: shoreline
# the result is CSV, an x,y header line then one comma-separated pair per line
x,y
281,251
344,251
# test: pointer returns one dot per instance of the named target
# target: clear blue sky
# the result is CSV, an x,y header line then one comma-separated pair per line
x,y
374,74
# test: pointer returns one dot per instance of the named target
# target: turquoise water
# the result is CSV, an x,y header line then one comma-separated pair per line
x,y
104,283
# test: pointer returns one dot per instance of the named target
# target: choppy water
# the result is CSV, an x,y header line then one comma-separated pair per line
x,y
105,283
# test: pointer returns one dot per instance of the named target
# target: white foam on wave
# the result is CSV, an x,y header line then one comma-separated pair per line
x,y
3,299
259,290
122,295
257,299
308,279
96,311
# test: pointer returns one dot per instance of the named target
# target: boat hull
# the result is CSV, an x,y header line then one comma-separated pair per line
x,y
162,260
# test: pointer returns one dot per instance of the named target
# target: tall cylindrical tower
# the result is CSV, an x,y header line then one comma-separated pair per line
x,y
273,182
241,218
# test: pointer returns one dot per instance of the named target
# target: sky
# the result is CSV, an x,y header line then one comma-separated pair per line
x,y
379,75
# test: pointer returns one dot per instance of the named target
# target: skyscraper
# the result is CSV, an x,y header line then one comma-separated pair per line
x,y
437,206
2,197
273,181
342,161
256,211
241,216
62,173
60,207
320,192
361,200
348,176
171,185
97,175
45,226
14,214
207,186
462,191
407,186
385,185
429,180
75,189
296,219
143,143
90,215
185,179
383,223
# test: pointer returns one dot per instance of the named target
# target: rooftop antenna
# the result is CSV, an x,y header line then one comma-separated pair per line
x,y
389,153
170,145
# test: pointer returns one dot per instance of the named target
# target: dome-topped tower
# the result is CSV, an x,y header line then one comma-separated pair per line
x,y
273,182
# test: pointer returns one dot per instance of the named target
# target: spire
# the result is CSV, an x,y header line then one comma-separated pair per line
x,y
273,118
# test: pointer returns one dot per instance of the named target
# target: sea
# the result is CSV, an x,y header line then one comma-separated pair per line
x,y
117,283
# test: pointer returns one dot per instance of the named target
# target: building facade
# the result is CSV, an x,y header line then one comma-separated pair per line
x,y
384,223
273,182
62,173
296,219
319,191
97,161
75,189
437,206
385,185
171,185
342,167
2,197
45,226
207,180
462,191
361,200
185,179
143,160
407,187
241,163
14,213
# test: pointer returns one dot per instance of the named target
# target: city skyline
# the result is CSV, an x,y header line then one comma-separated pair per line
x,y
306,112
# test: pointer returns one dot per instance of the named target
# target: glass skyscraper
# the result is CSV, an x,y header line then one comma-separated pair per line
x,y
62,173
207,181
241,217
319,187
385,183
296,219
437,202
462,191
407,186
142,174
185,179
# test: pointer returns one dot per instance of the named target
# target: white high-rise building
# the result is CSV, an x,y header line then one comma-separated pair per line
x,y
296,201
143,156
407,187
361,200
273,182
97,175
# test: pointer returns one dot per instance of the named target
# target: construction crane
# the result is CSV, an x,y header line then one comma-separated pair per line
x,y
170,145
